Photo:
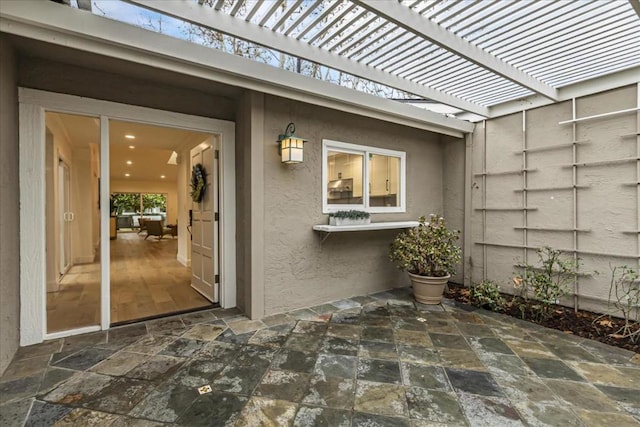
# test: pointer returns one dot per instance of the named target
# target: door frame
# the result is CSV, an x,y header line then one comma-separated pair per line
x,y
64,206
32,107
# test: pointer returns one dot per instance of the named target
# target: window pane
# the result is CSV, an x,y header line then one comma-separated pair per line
x,y
344,178
384,180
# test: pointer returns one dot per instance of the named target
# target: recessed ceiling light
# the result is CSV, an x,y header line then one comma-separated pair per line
x,y
126,174
162,176
132,146
129,136
129,162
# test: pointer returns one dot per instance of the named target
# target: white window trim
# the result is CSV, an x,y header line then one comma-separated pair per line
x,y
328,144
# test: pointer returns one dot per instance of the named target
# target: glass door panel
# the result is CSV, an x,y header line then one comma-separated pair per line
x,y
72,221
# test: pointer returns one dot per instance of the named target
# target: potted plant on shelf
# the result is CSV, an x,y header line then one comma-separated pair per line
x,y
429,254
351,217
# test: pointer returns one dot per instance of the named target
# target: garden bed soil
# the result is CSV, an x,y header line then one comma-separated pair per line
x,y
582,323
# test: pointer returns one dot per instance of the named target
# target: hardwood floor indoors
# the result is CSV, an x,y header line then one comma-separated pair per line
x,y
146,280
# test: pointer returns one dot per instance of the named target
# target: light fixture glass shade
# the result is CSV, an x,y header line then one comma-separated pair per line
x,y
292,149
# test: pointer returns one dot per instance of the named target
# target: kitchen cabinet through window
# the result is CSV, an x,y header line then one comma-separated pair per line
x,y
362,178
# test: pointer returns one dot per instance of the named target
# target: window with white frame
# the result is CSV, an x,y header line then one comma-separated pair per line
x,y
364,178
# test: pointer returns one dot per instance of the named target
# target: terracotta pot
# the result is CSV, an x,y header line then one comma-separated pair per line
x,y
428,290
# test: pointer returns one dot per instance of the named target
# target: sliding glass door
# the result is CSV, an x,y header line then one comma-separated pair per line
x,y
72,220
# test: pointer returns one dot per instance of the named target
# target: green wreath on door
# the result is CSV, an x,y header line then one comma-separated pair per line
x,y
198,182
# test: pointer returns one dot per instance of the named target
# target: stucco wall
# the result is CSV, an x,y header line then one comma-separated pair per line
x,y
299,269
607,198
9,214
243,135
250,252
37,73
453,174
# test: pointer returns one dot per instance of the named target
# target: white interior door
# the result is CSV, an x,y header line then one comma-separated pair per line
x,y
65,216
204,224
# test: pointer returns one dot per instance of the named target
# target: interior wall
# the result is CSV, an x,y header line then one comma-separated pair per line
x,y
95,195
183,204
51,163
170,188
9,206
302,271
604,209
83,166
83,196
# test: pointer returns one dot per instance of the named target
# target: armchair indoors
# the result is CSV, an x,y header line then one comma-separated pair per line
x,y
142,225
155,228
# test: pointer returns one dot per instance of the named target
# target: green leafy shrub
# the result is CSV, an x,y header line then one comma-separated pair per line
x,y
427,250
487,295
351,214
546,283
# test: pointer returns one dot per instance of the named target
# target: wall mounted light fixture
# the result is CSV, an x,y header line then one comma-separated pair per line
x,y
291,147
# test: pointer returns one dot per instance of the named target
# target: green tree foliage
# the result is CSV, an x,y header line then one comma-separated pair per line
x,y
150,201
126,202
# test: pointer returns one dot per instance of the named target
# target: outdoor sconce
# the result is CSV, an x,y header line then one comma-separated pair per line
x,y
290,147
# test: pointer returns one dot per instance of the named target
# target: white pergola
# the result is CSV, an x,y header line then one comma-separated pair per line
x,y
472,55
465,60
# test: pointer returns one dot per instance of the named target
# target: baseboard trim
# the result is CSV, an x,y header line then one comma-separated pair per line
x,y
184,261
84,260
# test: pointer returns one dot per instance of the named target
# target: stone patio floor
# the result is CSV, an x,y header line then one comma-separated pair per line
x,y
376,360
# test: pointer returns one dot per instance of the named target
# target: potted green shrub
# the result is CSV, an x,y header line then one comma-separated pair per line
x,y
429,254
351,217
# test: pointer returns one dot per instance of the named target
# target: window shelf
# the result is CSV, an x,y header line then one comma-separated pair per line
x,y
328,229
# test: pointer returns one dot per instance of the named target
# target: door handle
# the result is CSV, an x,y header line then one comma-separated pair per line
x,y
71,216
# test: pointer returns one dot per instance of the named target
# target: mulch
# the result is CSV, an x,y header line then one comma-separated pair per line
x,y
582,323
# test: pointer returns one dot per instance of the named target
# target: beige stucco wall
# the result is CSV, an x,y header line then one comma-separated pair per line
x,y
37,73
9,214
300,270
453,192
607,208
250,212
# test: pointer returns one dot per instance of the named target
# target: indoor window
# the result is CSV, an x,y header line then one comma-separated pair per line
x,y
376,184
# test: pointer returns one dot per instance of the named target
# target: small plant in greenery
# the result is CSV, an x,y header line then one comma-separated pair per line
x,y
546,283
487,295
427,250
624,300
350,214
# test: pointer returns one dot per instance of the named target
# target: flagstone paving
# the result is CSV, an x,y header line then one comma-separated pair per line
x,y
375,360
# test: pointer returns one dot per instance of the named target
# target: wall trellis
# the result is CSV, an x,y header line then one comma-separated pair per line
x,y
575,227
